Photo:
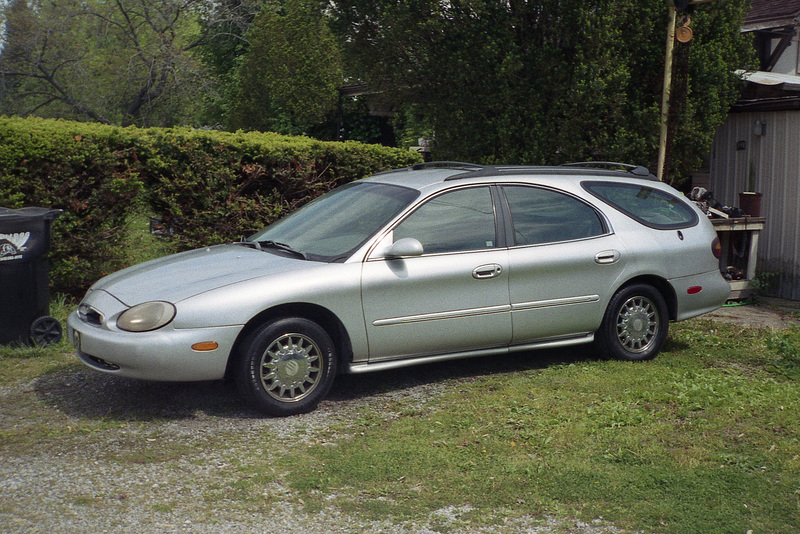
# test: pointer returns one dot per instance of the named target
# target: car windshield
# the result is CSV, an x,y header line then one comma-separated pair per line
x,y
334,225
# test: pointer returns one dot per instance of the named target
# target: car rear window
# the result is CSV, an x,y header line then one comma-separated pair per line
x,y
651,207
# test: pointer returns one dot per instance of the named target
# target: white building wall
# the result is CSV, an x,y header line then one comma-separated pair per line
x,y
771,163
789,62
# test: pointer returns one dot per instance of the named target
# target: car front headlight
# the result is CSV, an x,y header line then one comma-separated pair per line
x,y
146,316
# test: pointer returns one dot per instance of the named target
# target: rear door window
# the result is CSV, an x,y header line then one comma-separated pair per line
x,y
544,216
650,207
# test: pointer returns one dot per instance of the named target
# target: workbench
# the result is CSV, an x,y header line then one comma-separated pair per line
x,y
739,240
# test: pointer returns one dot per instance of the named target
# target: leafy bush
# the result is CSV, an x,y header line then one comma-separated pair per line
x,y
85,170
216,187
208,186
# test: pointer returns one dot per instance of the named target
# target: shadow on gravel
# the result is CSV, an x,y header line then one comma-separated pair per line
x,y
83,393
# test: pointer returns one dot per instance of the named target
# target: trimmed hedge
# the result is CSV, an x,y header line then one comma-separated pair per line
x,y
208,186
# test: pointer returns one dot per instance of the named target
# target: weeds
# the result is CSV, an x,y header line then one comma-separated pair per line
x,y
786,345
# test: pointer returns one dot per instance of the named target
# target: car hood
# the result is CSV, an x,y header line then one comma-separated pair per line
x,y
180,276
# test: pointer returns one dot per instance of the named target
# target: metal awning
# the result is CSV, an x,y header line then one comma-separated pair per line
x,y
787,82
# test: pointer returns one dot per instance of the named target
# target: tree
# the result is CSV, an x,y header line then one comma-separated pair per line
x,y
546,81
38,48
288,79
116,61
222,52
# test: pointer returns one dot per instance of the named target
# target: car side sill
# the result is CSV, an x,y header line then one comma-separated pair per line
x,y
365,367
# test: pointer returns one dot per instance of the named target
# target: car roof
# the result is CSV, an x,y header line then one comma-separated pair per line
x,y
425,175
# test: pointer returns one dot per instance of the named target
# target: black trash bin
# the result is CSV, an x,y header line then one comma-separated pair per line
x,y
25,277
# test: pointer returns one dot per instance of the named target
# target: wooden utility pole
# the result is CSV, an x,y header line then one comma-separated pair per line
x,y
667,91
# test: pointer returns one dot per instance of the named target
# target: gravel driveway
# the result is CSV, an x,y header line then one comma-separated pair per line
x,y
105,454
774,313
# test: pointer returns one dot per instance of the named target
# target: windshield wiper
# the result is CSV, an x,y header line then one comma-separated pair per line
x,y
260,245
280,246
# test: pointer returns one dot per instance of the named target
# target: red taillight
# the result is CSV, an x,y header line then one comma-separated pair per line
x,y
694,290
716,248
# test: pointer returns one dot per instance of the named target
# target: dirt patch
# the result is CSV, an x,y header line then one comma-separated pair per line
x,y
777,314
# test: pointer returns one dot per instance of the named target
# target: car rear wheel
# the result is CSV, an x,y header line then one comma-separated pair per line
x,y
635,324
286,366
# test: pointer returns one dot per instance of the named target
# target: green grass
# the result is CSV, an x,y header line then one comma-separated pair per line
x,y
787,345
702,439
21,362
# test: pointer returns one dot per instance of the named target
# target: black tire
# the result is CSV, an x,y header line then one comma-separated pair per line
x,y
46,331
635,324
286,366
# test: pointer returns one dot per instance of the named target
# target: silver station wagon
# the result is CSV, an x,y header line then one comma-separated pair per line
x,y
427,263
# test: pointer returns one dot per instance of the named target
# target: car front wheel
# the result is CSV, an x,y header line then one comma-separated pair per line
x,y
635,324
286,366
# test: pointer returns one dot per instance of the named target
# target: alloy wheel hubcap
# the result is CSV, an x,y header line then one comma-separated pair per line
x,y
290,367
637,324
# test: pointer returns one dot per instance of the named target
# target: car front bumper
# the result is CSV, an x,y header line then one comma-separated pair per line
x,y
165,354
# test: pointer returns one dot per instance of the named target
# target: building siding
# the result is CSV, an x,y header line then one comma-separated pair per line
x,y
772,163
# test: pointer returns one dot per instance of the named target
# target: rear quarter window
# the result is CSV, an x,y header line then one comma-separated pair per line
x,y
646,205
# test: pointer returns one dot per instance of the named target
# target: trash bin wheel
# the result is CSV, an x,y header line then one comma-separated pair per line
x,y
45,331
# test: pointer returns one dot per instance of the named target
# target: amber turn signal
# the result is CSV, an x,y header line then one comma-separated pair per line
x,y
205,346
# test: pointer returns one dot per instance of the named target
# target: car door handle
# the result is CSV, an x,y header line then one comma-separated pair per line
x,y
487,271
607,256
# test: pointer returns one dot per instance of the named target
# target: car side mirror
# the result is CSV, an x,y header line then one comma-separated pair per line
x,y
408,246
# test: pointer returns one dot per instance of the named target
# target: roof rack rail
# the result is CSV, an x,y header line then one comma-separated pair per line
x,y
636,170
476,170
447,164
593,167
455,165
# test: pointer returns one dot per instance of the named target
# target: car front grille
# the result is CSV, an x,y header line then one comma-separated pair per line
x,y
97,363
